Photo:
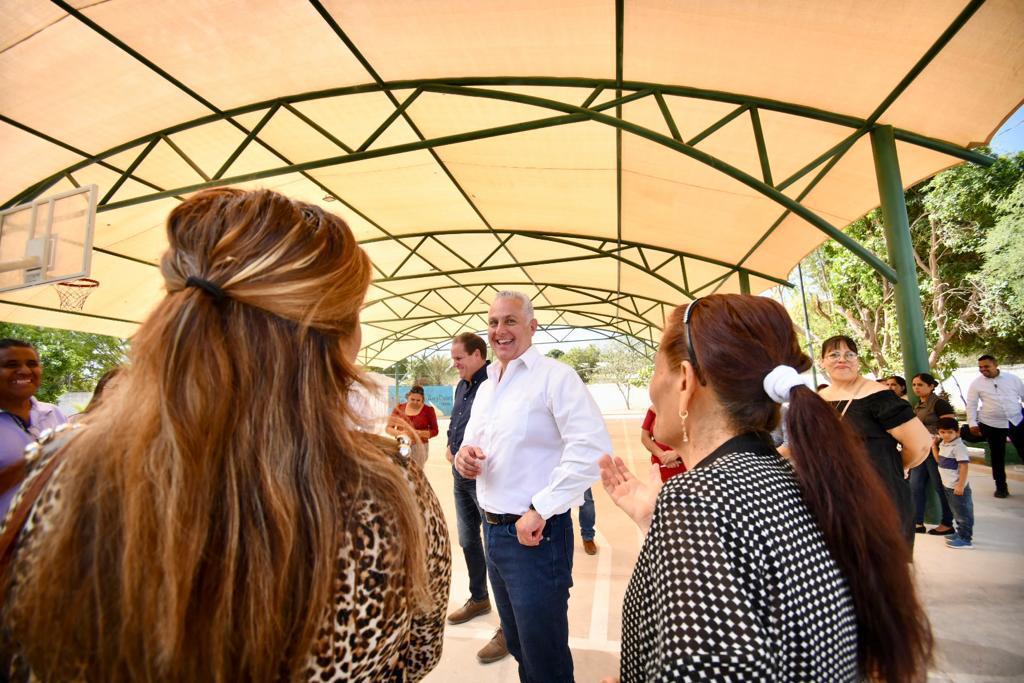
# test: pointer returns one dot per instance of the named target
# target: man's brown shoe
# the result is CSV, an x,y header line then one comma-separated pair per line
x,y
590,547
471,609
494,650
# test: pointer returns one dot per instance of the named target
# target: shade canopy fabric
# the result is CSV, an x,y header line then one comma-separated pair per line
x,y
610,159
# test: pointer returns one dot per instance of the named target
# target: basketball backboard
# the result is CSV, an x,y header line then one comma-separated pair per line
x,y
47,240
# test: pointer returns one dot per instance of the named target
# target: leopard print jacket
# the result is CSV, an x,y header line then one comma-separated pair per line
x,y
371,632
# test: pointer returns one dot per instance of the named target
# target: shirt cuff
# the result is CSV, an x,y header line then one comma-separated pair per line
x,y
542,505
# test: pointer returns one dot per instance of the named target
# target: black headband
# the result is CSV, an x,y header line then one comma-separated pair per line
x,y
213,290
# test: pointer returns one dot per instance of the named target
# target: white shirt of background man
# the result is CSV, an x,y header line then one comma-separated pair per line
x,y
1001,398
542,433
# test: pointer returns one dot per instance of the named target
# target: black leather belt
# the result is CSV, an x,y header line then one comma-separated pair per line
x,y
492,518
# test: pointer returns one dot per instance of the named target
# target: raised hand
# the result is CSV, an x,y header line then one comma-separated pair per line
x,y
635,497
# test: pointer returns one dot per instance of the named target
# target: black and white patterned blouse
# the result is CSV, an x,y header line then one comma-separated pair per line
x,y
734,581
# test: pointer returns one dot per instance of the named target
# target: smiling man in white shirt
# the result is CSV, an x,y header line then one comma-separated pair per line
x,y
999,416
532,444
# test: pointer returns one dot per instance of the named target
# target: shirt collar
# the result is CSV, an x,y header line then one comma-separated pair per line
x,y
529,358
750,442
481,374
35,408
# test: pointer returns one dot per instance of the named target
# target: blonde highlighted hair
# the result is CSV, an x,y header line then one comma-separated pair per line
x,y
202,512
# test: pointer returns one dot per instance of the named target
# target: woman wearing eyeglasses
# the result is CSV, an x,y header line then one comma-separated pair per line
x,y
883,421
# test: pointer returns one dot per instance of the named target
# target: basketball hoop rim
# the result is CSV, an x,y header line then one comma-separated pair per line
x,y
82,282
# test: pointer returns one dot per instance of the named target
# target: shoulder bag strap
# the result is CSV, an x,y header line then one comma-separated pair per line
x,y
19,516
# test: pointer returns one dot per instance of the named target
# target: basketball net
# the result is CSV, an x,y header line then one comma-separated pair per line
x,y
73,293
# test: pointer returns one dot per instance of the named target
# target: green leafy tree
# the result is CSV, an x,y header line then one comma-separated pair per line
x,y
72,361
584,360
1002,276
555,353
431,370
958,220
624,367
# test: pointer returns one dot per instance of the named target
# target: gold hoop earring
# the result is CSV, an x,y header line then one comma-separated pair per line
x,y
682,417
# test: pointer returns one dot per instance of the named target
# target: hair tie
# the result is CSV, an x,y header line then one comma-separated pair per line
x,y
780,381
213,290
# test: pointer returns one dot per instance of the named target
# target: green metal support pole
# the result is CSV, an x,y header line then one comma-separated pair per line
x,y
901,251
744,282
807,324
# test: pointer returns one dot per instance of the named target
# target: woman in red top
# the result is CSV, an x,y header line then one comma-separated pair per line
x,y
670,462
420,417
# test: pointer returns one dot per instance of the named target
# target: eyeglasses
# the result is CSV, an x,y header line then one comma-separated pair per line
x,y
689,338
836,356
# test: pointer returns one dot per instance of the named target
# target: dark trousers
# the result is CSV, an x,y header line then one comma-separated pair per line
x,y
468,521
920,477
531,591
588,516
996,438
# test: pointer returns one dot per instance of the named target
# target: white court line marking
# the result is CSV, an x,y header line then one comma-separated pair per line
x,y
602,590
484,635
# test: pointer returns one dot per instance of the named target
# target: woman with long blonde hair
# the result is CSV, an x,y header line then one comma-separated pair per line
x,y
221,517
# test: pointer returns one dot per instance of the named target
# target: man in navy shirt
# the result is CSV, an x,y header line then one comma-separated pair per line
x,y
469,356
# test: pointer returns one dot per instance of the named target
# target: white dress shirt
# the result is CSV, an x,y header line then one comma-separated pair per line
x,y
1000,397
542,434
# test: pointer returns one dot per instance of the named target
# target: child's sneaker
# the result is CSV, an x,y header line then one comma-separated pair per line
x,y
959,544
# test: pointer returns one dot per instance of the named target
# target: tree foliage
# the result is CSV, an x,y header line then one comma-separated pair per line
x,y
1002,275
584,360
624,367
431,370
965,226
72,361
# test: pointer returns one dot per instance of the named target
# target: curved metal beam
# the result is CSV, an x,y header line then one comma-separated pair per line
x,y
697,155
902,135
571,110
569,238
602,322
574,288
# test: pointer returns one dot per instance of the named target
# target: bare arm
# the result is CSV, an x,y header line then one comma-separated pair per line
x,y
667,458
648,443
961,479
916,441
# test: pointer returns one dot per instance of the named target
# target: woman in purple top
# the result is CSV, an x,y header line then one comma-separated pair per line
x,y
22,417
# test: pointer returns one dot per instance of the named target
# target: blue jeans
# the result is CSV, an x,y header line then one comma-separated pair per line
x,y
588,516
531,591
963,513
919,477
469,520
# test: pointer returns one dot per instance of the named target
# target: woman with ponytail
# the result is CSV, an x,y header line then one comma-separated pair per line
x,y
221,516
755,568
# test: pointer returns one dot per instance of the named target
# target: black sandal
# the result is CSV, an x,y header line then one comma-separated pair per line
x,y
920,529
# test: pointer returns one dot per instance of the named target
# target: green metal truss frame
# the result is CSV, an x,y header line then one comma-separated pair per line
x,y
625,91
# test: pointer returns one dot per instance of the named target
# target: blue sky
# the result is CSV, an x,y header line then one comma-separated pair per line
x,y
1010,137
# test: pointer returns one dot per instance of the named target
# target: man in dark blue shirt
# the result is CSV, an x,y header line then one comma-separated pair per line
x,y
469,356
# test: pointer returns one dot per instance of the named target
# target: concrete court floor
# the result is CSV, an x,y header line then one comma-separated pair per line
x,y
974,598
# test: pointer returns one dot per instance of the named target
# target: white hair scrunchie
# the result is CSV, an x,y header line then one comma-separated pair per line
x,y
780,381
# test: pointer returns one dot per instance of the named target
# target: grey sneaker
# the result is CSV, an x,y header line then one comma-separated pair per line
x,y
471,609
494,650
